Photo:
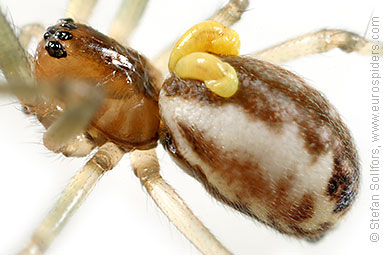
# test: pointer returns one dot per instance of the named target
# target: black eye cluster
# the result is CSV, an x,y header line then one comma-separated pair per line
x,y
53,34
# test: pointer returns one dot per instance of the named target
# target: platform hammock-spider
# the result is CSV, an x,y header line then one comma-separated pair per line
x,y
256,136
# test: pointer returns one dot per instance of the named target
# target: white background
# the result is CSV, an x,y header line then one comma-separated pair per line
x,y
119,217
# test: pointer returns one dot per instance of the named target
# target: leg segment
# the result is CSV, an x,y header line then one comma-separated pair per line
x,y
230,13
80,10
126,20
317,42
13,60
82,101
77,191
65,129
227,15
30,31
147,169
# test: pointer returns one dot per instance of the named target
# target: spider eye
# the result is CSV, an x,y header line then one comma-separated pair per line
x,y
47,35
65,20
50,33
55,49
69,26
63,35
67,23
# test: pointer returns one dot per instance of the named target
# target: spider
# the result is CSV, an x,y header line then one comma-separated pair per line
x,y
123,236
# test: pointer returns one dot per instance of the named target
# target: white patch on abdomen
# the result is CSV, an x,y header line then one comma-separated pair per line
x,y
247,139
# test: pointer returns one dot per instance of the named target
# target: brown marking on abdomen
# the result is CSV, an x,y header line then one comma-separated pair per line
x,y
248,182
304,210
343,184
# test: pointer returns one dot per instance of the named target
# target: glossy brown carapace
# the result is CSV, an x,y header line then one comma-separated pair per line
x,y
76,52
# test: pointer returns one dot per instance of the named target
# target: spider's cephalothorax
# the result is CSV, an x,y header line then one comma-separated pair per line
x,y
129,114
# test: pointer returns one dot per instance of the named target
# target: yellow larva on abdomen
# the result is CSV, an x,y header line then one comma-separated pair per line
x,y
276,151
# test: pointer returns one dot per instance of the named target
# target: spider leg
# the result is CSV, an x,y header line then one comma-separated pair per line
x,y
80,10
129,14
317,42
146,167
60,137
231,13
70,200
14,62
82,103
126,20
30,31
228,15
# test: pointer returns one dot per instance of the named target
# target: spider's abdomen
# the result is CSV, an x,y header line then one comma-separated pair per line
x,y
276,150
129,114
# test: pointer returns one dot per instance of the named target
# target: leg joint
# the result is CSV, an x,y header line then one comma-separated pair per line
x,y
344,40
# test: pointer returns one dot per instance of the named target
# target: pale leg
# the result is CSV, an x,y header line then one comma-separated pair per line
x,y
82,102
318,42
126,20
230,13
146,167
30,31
80,10
14,62
76,192
227,15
